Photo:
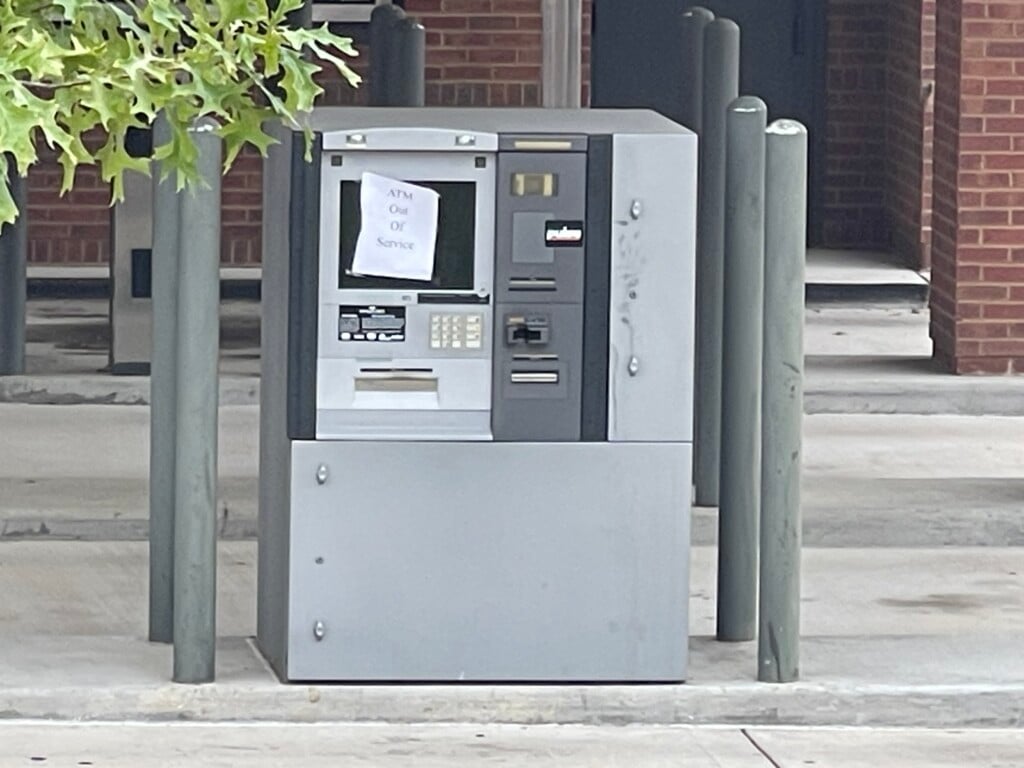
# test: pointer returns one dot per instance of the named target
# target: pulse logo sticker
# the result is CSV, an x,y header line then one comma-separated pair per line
x,y
563,234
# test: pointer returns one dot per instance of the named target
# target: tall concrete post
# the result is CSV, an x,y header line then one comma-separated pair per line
x,y
13,278
740,486
695,22
562,46
195,494
721,87
778,640
163,398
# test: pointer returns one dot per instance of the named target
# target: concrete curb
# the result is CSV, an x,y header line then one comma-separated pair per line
x,y
952,396
109,390
925,527
800,704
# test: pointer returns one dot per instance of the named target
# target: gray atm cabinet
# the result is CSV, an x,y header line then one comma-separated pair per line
x,y
485,477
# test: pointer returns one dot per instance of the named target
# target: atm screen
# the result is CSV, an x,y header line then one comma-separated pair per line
x,y
454,251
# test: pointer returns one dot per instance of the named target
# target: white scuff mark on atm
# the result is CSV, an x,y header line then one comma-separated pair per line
x,y
629,273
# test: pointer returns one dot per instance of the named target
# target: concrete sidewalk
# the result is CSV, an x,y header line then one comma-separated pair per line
x,y
906,638
913,600
185,745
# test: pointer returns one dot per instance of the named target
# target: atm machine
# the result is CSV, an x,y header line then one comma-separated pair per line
x,y
477,467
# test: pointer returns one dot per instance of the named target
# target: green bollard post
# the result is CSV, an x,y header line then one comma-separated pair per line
x,y
195,494
778,642
162,398
721,87
740,486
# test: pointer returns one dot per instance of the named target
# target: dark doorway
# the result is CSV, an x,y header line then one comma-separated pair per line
x,y
637,62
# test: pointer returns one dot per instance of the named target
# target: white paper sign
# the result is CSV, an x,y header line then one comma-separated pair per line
x,y
399,229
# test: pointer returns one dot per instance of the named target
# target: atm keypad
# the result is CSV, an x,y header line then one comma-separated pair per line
x,y
456,331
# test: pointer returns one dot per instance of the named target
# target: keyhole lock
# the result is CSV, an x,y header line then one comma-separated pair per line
x,y
321,474
319,630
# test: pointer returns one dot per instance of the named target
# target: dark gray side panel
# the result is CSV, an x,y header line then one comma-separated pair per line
x,y
275,448
303,289
596,290
539,283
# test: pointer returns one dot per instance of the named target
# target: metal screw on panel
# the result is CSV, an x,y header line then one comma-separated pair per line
x,y
636,209
321,474
634,366
319,630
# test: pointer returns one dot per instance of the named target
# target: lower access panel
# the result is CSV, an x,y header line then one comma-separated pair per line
x,y
489,561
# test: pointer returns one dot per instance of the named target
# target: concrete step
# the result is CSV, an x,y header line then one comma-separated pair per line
x,y
862,278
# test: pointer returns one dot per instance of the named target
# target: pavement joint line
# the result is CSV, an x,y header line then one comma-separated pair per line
x,y
753,742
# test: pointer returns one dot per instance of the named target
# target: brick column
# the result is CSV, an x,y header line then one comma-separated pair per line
x,y
978,240
911,64
855,172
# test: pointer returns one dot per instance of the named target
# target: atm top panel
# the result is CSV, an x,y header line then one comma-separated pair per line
x,y
525,121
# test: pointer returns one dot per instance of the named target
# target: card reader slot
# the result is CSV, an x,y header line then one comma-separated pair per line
x,y
532,284
541,358
534,377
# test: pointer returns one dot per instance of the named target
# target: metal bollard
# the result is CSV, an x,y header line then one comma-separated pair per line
x,y
695,22
195,493
778,642
408,70
13,278
721,87
743,301
162,398
382,25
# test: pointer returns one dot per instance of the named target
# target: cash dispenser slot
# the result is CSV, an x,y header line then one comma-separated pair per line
x,y
396,380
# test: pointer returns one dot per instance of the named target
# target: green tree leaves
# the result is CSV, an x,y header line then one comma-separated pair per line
x,y
77,74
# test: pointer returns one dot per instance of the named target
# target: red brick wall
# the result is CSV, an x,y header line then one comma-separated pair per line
x,y
879,126
978,246
854,214
479,53
74,229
